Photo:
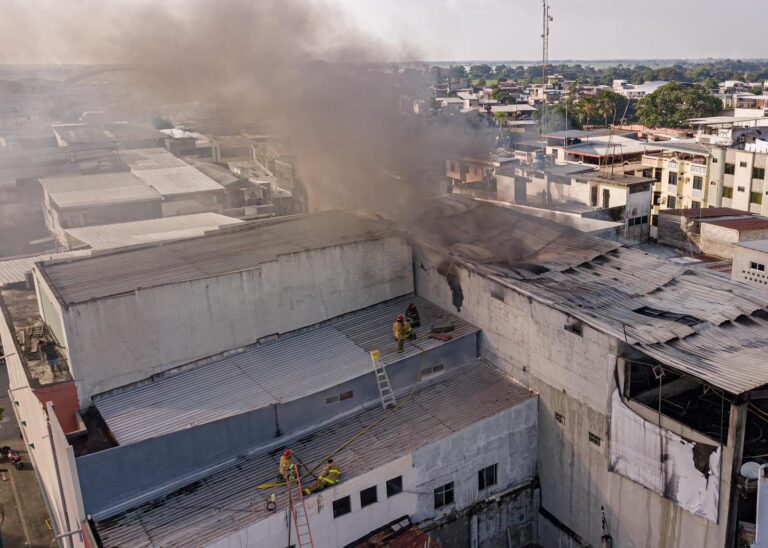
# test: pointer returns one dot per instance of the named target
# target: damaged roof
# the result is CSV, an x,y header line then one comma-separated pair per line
x,y
450,403
241,247
695,321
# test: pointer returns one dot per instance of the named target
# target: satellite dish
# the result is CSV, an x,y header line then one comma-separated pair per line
x,y
750,470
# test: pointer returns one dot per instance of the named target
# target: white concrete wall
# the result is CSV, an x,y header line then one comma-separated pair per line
x,y
508,439
718,240
741,271
574,376
120,340
33,423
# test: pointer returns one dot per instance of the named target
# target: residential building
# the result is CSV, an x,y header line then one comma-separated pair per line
x,y
750,263
584,190
685,175
744,181
599,147
636,91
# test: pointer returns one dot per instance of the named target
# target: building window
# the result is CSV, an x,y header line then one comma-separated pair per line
x,y
487,477
698,182
730,169
714,160
394,486
654,220
673,178
760,267
595,440
339,397
444,495
657,198
559,417
740,188
574,326
755,198
657,174
727,192
368,496
671,202
341,507
742,164
695,205
432,370
453,166
758,173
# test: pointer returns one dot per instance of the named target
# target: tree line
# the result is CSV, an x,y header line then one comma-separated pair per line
x,y
706,73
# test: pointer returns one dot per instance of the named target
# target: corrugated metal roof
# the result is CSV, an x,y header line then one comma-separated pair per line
x,y
241,248
757,245
152,230
150,158
12,270
229,500
745,223
97,189
707,212
177,180
275,372
606,287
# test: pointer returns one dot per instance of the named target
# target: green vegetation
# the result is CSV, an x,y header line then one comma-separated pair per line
x,y
673,104
709,73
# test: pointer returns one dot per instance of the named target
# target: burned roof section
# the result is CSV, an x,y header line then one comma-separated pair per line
x,y
695,321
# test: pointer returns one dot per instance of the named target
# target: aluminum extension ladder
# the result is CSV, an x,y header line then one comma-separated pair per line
x,y
299,510
382,380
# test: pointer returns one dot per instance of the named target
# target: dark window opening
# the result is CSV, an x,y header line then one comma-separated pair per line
x,y
742,164
368,496
444,495
684,319
339,397
487,477
673,178
729,168
758,173
341,507
394,486
679,398
698,182
559,418
727,192
671,202
574,326
595,440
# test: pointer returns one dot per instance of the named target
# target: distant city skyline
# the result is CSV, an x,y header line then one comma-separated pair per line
x,y
495,30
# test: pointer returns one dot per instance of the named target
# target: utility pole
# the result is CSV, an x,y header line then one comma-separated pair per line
x,y
546,18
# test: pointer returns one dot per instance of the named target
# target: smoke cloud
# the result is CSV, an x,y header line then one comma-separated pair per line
x,y
295,67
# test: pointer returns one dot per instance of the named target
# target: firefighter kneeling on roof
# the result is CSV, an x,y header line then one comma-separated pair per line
x,y
329,476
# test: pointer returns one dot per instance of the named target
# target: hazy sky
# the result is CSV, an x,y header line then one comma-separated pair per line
x,y
582,29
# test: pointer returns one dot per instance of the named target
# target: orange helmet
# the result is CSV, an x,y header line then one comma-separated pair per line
x,y
400,318
287,453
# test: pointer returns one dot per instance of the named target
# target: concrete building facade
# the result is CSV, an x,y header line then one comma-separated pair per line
x,y
750,261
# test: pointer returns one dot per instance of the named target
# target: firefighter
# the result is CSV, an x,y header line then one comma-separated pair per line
x,y
401,332
412,315
328,477
287,470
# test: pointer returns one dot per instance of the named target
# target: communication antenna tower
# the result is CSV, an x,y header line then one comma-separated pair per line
x,y
546,19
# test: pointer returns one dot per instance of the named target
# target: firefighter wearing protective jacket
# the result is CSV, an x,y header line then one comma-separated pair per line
x,y
286,468
328,477
401,332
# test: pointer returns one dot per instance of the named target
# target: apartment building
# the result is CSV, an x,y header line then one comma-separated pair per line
x,y
744,182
